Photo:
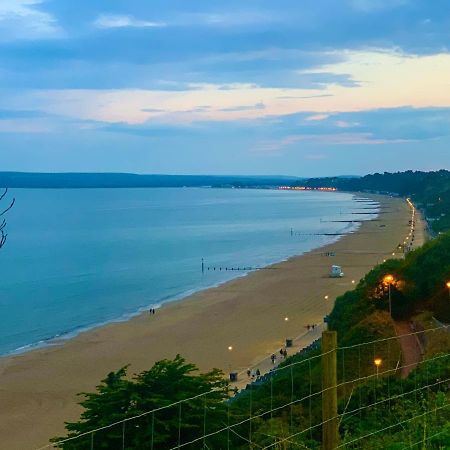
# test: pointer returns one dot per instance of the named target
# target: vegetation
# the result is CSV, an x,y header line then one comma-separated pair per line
x,y
429,190
167,382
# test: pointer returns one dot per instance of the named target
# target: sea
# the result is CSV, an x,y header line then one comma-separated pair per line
x,y
76,259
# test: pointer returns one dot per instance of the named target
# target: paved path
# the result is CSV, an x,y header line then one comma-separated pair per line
x,y
265,365
411,351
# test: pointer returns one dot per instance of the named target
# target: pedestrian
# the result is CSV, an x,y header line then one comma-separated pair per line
x,y
253,374
249,372
285,353
281,351
273,358
258,373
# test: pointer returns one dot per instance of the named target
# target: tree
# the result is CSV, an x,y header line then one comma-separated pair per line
x,y
168,382
3,233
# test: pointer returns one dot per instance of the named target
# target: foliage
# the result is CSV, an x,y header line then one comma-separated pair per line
x,y
419,282
409,410
118,398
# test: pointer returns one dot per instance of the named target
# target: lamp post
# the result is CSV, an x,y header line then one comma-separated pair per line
x,y
448,286
389,279
231,373
377,362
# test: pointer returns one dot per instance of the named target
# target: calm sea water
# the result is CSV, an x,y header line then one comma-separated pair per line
x,y
79,258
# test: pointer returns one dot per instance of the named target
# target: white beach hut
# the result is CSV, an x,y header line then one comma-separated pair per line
x,y
336,272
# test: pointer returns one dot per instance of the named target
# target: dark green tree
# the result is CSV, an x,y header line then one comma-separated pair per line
x,y
167,382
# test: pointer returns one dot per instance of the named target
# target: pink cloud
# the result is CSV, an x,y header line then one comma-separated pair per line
x,y
345,124
317,117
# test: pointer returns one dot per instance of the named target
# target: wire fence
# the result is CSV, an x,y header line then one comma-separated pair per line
x,y
381,392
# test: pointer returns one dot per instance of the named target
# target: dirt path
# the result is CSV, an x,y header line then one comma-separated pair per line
x,y
411,351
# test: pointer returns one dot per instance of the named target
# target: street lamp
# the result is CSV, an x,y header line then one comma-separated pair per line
x,y
377,362
389,279
448,286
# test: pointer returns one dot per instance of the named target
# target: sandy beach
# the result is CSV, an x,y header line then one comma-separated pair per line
x,y
38,389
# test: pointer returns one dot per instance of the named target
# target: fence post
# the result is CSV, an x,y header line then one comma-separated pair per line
x,y
330,433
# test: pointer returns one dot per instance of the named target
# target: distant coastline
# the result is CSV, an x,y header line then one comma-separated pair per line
x,y
32,180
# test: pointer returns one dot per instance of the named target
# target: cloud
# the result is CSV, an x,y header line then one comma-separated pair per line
x,y
237,18
21,19
257,106
345,124
385,80
124,21
317,117
326,139
20,114
368,6
290,97
24,126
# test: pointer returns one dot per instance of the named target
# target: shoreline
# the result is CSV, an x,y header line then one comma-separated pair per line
x,y
65,336
39,387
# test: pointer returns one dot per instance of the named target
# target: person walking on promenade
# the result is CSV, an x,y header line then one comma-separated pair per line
x,y
249,372
258,373
273,358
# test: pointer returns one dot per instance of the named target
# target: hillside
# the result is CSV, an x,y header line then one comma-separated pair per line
x,y
129,180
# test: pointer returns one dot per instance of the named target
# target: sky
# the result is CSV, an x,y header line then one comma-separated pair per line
x,y
306,88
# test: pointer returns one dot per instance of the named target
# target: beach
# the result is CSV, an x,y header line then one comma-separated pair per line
x,y
39,388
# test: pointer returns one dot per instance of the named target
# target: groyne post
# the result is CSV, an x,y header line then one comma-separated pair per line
x,y
330,432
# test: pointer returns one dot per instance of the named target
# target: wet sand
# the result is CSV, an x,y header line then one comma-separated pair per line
x,y
38,389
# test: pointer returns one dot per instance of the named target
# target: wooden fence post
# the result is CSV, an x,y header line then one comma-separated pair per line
x,y
330,432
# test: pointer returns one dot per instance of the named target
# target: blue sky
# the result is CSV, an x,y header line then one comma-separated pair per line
x,y
204,86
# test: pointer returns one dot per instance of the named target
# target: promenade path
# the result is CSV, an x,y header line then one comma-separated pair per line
x,y
265,364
